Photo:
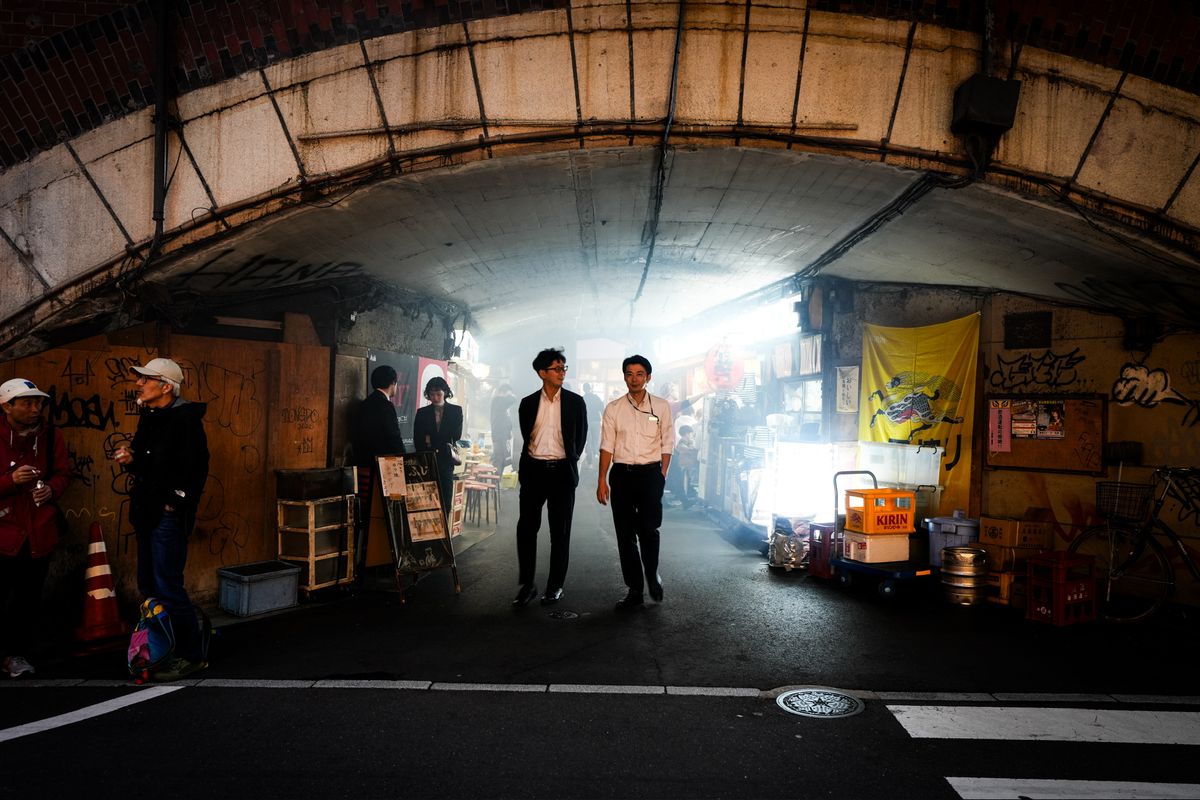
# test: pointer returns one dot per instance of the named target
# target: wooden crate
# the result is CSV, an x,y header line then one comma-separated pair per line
x,y
318,536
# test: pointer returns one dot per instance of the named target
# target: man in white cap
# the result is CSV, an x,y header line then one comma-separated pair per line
x,y
168,459
35,474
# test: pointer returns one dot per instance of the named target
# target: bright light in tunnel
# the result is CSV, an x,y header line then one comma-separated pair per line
x,y
761,324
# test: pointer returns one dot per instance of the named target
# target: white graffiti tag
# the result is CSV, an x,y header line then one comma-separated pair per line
x,y
1139,385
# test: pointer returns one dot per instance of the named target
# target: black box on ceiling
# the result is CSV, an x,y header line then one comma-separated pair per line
x,y
983,104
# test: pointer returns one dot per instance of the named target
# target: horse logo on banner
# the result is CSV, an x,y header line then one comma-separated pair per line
x,y
918,400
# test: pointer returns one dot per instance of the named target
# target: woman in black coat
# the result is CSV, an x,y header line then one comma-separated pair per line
x,y
435,428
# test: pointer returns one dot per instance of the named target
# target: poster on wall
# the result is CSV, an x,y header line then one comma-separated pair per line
x,y
1000,426
406,367
1024,419
847,390
1051,420
427,369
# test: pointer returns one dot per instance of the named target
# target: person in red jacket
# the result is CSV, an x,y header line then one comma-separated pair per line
x,y
35,474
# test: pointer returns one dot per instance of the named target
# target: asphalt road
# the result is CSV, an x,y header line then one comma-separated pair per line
x,y
461,696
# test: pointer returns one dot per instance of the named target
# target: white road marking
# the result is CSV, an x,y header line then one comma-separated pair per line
x,y
1049,724
87,712
222,683
582,688
1039,789
488,687
371,684
713,691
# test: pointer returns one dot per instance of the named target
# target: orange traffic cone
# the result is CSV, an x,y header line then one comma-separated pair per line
x,y
101,618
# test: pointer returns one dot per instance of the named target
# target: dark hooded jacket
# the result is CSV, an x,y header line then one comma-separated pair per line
x,y
170,463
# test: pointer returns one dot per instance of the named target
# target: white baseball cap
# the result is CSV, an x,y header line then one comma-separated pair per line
x,y
163,368
19,387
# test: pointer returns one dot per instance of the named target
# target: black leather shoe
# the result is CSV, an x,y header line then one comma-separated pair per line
x,y
552,597
527,593
655,588
630,601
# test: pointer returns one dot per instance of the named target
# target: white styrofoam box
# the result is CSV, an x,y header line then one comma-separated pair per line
x,y
874,548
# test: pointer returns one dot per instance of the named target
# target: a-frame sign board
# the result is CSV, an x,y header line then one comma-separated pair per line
x,y
416,522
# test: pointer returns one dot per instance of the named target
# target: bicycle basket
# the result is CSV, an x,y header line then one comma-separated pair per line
x,y
1123,501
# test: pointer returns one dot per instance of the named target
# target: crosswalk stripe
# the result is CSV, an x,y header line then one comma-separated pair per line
x,y
87,712
1039,789
1049,724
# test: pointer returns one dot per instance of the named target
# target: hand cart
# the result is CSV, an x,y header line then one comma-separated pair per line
x,y
825,558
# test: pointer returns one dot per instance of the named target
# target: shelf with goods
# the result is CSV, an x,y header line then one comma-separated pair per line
x,y
318,536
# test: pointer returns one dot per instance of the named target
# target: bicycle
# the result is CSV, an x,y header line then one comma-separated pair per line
x,y
1135,573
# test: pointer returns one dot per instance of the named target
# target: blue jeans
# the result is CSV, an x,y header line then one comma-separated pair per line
x,y
162,555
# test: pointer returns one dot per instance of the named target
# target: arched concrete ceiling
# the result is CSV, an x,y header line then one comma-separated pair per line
x,y
561,240
511,167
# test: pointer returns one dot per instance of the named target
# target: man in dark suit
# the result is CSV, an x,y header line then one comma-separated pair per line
x,y
374,431
553,423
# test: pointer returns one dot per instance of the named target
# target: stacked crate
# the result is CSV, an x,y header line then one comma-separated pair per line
x,y
1009,544
1062,588
879,523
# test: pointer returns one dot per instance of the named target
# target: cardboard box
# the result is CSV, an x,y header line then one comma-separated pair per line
x,y
875,548
1007,589
1008,532
1007,559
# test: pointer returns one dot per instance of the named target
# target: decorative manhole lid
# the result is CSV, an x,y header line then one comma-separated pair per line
x,y
823,703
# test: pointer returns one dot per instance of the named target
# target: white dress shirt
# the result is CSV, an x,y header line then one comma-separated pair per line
x,y
546,441
637,433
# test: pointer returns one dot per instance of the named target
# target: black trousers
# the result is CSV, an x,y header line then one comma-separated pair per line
x,y
635,494
550,484
21,580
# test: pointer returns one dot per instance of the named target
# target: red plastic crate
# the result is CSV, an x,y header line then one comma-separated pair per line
x,y
820,550
1062,588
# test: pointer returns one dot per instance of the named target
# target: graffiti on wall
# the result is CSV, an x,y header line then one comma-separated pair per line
x,y
1139,385
226,271
1049,370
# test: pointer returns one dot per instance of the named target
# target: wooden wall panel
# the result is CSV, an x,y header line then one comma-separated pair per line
x,y
258,394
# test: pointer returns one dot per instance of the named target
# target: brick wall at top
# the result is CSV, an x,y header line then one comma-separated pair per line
x,y
67,67
59,81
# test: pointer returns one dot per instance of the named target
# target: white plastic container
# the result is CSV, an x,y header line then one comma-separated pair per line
x,y
901,463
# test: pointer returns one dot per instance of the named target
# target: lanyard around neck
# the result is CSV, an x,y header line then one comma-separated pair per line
x,y
649,399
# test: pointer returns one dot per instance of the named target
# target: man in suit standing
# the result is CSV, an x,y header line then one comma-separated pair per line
x,y
553,423
374,431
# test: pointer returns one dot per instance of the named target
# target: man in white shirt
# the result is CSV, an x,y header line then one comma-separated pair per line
x,y
553,423
636,442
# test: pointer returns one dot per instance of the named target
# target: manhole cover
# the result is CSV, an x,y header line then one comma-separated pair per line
x,y
563,614
824,703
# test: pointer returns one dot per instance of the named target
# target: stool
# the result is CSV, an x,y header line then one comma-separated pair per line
x,y
477,501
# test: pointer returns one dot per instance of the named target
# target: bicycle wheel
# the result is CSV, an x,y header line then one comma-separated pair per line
x,y
1134,578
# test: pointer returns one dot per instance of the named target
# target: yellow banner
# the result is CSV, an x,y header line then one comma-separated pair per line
x,y
918,387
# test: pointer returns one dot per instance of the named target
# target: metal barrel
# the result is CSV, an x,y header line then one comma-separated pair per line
x,y
964,575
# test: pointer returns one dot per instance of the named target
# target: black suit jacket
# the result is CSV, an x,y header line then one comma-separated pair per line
x,y
574,426
427,436
375,430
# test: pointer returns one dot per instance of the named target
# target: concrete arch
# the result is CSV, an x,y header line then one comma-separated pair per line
x,y
282,148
